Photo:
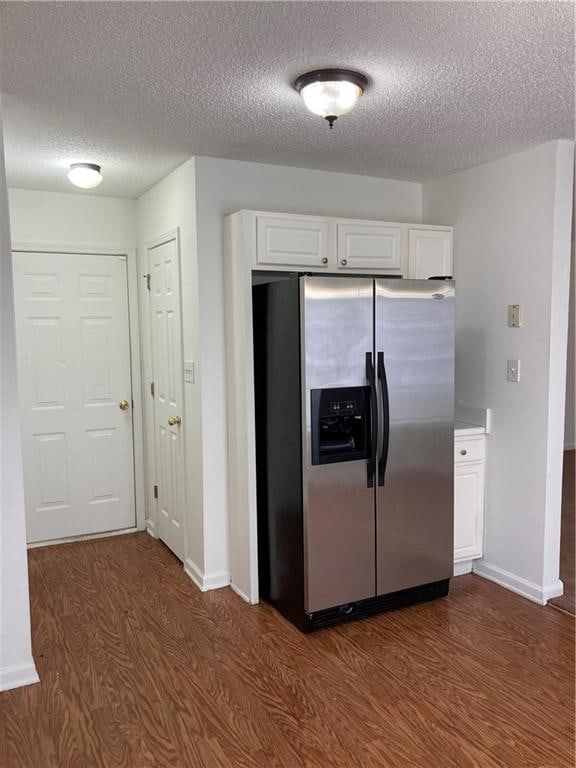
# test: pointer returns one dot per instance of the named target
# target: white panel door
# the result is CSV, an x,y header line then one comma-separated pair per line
x,y
167,366
429,253
291,242
73,343
468,510
370,247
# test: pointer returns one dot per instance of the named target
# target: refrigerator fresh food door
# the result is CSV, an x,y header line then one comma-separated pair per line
x,y
339,454
415,482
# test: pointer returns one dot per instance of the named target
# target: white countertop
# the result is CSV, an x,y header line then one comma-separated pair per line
x,y
462,429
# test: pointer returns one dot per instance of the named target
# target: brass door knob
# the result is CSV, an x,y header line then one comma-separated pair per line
x,y
124,405
174,421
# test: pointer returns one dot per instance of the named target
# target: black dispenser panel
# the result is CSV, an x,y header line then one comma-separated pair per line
x,y
340,424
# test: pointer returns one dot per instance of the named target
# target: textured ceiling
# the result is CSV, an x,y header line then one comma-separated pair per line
x,y
139,87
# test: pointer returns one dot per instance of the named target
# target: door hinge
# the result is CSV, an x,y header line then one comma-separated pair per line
x,y
155,491
147,277
152,389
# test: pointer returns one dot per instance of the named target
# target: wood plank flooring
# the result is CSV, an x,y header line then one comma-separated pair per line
x,y
140,670
567,601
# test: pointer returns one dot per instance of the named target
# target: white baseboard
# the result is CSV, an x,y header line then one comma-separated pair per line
x,y
216,580
554,590
86,537
206,581
18,675
151,528
528,589
243,595
462,567
194,573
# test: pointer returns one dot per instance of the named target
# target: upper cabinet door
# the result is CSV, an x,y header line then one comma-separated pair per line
x,y
370,247
429,253
291,242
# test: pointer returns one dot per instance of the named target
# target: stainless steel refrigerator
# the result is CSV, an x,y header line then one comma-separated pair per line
x,y
354,438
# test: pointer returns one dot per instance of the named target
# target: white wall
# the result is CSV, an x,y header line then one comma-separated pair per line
x,y
570,418
512,221
83,221
226,186
16,663
56,218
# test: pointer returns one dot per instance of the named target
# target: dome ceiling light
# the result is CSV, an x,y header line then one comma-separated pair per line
x,y
331,92
85,175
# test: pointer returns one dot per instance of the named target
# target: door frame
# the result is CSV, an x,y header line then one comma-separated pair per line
x,y
149,405
134,334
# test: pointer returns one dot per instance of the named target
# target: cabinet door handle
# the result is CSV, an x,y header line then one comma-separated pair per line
x,y
343,262
463,452
325,260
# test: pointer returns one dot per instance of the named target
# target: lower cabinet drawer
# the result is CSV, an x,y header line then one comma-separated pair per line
x,y
469,449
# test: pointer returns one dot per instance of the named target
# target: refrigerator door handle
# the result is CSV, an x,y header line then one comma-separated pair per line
x,y
383,381
371,378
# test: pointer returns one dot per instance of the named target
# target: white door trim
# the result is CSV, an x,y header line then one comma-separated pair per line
x,y
134,332
152,468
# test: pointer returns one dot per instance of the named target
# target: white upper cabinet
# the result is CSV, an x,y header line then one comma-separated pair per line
x,y
291,242
370,247
429,253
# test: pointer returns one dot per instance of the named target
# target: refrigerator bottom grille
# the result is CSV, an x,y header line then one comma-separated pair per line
x,y
329,617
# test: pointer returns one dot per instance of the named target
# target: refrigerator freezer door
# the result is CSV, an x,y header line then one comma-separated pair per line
x,y
415,487
339,521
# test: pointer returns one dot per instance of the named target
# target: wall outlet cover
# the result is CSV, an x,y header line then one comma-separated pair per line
x,y
189,372
514,315
513,371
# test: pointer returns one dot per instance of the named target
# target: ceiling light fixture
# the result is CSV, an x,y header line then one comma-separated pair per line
x,y
331,92
85,175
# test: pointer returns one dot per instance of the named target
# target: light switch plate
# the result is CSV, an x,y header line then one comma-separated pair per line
x,y
513,371
514,315
189,371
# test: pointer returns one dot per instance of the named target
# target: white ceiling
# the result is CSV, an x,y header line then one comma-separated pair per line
x,y
139,87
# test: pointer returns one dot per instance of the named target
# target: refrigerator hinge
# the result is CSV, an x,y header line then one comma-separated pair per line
x,y
155,491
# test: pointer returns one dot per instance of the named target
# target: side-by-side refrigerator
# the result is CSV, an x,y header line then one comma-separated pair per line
x,y
354,440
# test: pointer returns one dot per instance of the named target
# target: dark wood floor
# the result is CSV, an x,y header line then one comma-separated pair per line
x,y
141,670
568,536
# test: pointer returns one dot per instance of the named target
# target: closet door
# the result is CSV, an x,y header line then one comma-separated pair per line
x,y
167,364
73,345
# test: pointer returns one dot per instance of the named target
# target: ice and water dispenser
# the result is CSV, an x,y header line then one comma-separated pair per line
x,y
340,424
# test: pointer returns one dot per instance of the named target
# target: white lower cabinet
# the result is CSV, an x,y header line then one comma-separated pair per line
x,y
469,474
